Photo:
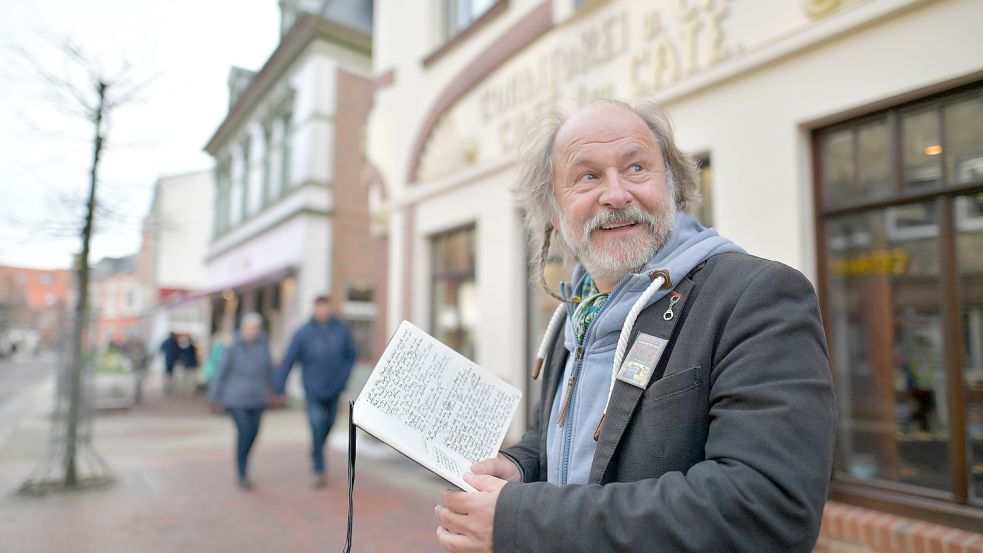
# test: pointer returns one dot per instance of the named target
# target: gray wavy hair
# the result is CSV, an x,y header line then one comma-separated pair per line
x,y
251,319
534,190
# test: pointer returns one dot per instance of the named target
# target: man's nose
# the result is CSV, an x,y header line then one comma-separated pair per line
x,y
615,193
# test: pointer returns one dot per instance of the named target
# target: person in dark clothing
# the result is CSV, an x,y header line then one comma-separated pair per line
x,y
188,359
171,350
243,385
324,348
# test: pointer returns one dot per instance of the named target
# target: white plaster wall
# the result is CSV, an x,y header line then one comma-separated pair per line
x,y
277,247
184,215
397,268
315,275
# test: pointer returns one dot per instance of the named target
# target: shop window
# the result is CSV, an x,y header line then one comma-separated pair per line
x,y
454,296
964,140
969,253
359,292
921,149
362,336
268,147
902,258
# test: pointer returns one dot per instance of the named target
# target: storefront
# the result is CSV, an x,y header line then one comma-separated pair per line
x,y
839,137
900,196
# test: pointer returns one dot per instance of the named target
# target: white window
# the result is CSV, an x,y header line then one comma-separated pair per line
x,y
460,14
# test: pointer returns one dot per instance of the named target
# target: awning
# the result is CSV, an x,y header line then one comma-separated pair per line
x,y
242,284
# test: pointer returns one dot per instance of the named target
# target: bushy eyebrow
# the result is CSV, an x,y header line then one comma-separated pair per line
x,y
637,152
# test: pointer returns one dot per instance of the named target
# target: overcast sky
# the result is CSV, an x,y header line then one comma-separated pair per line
x,y
183,48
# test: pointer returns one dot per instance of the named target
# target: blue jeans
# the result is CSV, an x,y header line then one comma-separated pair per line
x,y
247,427
321,414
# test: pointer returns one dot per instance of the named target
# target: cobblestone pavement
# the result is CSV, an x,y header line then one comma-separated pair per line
x,y
175,489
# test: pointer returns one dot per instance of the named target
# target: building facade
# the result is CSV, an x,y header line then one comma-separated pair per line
x,y
841,137
116,302
290,207
33,304
171,261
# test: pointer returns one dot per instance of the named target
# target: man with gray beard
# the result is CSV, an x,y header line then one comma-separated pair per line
x,y
687,401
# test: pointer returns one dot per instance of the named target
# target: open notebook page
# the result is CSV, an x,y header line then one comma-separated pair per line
x,y
434,405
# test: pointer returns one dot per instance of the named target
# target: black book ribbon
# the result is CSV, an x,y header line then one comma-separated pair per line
x,y
351,474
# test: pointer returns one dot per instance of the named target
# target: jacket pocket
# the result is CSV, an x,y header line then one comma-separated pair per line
x,y
669,430
676,383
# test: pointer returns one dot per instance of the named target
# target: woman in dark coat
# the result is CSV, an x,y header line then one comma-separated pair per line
x,y
243,386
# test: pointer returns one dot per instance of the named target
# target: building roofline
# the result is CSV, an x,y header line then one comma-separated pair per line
x,y
305,30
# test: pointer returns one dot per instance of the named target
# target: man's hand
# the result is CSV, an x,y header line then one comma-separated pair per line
x,y
467,518
216,408
499,467
276,400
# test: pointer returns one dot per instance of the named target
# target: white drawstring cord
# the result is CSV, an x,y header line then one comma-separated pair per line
x,y
619,354
544,346
660,279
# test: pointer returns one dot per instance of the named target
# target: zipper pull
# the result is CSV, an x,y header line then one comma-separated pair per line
x,y
570,382
673,299
566,402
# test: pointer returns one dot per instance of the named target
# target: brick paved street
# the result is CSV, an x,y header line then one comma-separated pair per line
x,y
175,489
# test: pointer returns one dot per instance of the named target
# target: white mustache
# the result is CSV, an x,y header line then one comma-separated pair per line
x,y
618,217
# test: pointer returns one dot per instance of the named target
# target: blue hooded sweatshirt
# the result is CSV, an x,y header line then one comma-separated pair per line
x,y
570,448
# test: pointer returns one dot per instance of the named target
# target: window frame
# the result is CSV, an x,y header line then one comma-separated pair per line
x,y
448,41
955,506
447,275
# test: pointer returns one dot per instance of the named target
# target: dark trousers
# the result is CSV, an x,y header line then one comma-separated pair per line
x,y
247,426
321,414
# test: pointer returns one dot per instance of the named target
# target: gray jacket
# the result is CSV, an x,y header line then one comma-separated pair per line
x,y
728,449
245,375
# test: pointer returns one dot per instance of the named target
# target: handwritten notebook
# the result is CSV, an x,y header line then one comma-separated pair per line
x,y
434,405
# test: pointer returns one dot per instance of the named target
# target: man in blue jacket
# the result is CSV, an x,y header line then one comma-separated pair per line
x,y
324,347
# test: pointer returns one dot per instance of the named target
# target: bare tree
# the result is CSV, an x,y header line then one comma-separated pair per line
x,y
95,97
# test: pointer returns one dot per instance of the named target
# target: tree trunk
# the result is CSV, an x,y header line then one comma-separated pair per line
x,y
82,304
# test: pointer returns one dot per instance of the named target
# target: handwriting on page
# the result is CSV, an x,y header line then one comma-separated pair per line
x,y
450,405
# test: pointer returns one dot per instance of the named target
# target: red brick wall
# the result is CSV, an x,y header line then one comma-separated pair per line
x,y
352,260
848,529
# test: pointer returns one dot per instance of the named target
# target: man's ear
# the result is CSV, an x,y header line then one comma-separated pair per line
x,y
555,221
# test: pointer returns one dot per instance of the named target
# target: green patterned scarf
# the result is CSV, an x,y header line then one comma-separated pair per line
x,y
589,302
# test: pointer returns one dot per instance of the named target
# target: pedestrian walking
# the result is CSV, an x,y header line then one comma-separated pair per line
x,y
243,385
324,348
188,360
136,352
172,351
218,344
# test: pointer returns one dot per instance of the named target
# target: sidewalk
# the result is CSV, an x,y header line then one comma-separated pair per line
x,y
175,489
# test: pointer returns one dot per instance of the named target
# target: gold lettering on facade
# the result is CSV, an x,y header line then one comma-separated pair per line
x,y
664,59
716,36
655,54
